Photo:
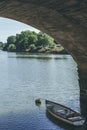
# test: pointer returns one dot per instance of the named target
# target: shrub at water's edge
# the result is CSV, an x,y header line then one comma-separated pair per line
x,y
28,41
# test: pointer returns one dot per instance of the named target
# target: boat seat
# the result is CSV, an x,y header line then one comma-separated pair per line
x,y
73,115
75,118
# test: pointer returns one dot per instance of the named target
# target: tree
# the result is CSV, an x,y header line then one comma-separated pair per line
x,y
1,45
25,39
32,47
11,40
44,40
11,47
19,42
32,39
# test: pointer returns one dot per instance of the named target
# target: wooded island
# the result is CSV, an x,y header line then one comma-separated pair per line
x,y
30,41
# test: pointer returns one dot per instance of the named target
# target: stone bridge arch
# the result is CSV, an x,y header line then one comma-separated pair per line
x,y
65,21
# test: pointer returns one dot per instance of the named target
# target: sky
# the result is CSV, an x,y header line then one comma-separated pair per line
x,y
10,27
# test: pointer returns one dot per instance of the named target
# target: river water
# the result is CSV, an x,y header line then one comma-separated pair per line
x,y
26,77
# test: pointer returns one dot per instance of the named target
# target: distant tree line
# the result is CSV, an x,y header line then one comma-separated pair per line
x,y
28,41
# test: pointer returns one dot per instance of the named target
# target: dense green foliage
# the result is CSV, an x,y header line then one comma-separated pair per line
x,y
11,47
1,45
28,41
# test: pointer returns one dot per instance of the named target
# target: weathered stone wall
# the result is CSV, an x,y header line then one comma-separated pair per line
x,y
64,20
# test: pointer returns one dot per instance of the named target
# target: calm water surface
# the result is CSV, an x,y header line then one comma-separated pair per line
x,y
24,78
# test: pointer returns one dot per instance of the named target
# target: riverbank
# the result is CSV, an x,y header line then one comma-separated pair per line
x,y
51,50
47,50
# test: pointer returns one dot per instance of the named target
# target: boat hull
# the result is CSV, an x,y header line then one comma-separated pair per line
x,y
59,118
63,119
